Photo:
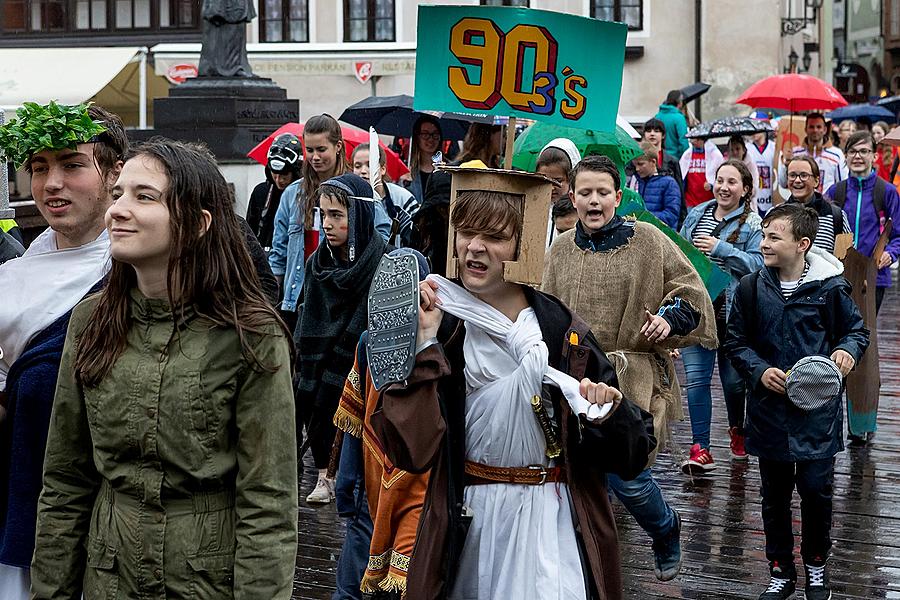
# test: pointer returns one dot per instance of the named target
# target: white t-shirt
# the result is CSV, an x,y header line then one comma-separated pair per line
x,y
763,160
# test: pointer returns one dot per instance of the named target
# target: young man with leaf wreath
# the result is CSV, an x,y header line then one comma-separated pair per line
x,y
73,154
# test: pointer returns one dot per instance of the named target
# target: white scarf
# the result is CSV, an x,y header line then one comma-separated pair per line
x,y
460,303
41,286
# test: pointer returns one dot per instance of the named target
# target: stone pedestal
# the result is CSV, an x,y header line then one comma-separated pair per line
x,y
229,115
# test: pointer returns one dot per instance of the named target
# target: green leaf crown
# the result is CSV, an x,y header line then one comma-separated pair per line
x,y
46,127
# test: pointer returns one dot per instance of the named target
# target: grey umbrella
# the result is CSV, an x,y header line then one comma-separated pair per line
x,y
694,91
728,127
394,115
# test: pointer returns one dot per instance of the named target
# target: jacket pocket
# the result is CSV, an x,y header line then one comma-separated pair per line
x,y
212,575
204,416
101,578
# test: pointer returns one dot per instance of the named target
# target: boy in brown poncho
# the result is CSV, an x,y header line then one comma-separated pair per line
x,y
641,298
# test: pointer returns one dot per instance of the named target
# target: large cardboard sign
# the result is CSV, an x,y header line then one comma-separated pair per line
x,y
520,62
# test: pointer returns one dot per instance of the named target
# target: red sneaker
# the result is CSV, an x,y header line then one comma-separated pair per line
x,y
700,461
738,452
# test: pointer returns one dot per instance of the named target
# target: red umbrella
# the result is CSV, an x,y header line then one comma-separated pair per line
x,y
792,92
352,138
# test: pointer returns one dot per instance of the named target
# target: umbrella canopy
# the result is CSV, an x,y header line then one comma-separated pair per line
x,y
871,112
618,145
729,126
892,138
352,138
394,115
792,92
892,103
694,91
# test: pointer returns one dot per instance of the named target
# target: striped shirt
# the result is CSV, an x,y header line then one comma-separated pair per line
x,y
789,287
705,226
825,235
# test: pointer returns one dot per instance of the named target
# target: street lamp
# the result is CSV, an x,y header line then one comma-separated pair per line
x,y
792,61
807,61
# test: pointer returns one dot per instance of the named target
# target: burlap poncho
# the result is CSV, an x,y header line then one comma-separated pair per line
x,y
611,290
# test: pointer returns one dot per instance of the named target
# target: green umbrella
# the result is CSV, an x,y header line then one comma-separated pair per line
x,y
616,145
714,278
620,148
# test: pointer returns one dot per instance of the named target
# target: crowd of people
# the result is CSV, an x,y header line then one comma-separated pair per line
x,y
166,363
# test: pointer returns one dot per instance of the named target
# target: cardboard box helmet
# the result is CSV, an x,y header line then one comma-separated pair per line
x,y
533,193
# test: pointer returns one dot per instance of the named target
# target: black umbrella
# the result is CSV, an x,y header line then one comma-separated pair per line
x,y
694,91
394,115
729,126
892,103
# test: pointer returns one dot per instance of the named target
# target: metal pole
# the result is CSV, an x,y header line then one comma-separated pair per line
x,y
5,211
142,85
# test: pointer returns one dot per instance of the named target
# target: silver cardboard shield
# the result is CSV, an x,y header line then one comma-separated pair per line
x,y
393,320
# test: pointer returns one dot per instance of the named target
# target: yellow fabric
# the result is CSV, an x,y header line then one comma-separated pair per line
x,y
7,224
474,164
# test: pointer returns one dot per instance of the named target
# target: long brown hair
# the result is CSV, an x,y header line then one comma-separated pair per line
x,y
414,148
747,182
211,271
477,145
328,125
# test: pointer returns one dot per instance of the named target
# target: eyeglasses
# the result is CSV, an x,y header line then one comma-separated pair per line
x,y
434,135
800,176
859,152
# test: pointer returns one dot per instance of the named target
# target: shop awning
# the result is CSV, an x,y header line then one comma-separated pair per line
x,y
67,75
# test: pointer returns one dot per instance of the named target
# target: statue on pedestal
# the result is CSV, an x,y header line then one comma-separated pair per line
x,y
224,51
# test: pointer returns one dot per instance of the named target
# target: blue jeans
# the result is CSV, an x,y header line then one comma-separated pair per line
x,y
351,502
644,500
698,369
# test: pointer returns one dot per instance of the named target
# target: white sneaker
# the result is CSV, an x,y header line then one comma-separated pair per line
x,y
324,492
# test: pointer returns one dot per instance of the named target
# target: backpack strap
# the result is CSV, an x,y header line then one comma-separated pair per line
x,y
878,195
837,218
749,294
840,193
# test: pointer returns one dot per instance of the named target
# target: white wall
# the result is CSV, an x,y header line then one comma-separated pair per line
x,y
244,177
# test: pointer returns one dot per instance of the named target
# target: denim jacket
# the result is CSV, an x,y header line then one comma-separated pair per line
x,y
740,258
286,256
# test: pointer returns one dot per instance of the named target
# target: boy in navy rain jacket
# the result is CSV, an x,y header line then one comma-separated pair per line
x,y
798,305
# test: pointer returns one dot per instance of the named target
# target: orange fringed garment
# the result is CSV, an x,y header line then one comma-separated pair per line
x,y
395,496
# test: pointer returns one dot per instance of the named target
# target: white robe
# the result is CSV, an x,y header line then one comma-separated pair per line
x,y
521,543
41,286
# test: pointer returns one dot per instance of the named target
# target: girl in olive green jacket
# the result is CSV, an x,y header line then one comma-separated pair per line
x,y
171,469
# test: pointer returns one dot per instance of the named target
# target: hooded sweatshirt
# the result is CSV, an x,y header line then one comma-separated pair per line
x,y
676,128
334,310
818,318
866,224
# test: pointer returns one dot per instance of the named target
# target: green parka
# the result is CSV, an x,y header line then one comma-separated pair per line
x,y
176,477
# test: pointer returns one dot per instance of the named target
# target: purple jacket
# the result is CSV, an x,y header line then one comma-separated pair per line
x,y
866,224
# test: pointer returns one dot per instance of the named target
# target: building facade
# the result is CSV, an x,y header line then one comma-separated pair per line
x,y
332,53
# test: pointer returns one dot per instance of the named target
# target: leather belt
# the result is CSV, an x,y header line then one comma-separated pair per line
x,y
479,474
